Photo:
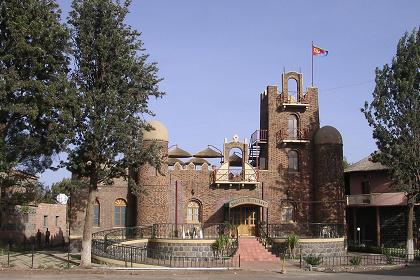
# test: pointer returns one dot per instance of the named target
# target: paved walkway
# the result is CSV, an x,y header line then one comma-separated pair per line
x,y
40,259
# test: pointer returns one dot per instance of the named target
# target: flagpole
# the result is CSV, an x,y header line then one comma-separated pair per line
x,y
312,55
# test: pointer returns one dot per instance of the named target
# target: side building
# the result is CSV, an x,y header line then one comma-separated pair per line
x,y
376,213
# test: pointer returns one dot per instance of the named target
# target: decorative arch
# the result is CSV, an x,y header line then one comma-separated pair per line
x,y
298,77
194,211
120,212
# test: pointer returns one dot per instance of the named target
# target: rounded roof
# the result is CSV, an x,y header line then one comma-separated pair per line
x,y
328,135
159,133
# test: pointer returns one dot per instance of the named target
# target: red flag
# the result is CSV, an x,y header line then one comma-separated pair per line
x,y
318,51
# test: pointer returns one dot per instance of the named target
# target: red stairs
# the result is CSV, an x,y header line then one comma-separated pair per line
x,y
252,250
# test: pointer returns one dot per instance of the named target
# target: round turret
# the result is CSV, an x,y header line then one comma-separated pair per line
x,y
328,135
159,133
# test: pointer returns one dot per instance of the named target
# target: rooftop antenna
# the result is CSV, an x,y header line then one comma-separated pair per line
x,y
284,70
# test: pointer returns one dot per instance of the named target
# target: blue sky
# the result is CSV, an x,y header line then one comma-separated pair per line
x,y
217,56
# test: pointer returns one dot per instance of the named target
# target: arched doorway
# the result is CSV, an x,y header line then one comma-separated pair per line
x,y
245,214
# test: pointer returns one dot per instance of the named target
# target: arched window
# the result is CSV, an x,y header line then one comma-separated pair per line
x,y
119,212
292,127
293,161
193,212
287,213
96,214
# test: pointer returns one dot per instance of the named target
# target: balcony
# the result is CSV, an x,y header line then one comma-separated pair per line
x,y
246,177
259,136
294,136
289,102
376,199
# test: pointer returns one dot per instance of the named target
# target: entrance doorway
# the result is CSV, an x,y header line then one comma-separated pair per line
x,y
245,218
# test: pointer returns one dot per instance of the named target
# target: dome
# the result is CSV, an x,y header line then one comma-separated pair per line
x,y
159,133
328,135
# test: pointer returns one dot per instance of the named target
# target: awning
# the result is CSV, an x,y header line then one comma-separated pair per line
x,y
246,200
197,161
208,153
172,161
178,153
235,160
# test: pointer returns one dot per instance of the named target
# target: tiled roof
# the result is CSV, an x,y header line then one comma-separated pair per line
x,y
365,165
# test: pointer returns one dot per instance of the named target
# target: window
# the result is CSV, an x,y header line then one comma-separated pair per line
x,y
287,214
96,214
45,220
293,161
365,187
57,221
193,212
119,212
292,127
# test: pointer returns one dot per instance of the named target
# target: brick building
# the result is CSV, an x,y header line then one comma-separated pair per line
x,y
20,224
289,173
377,209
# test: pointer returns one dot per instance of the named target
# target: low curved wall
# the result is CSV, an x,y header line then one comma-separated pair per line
x,y
194,248
314,246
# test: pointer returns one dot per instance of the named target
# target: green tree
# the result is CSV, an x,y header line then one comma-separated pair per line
x,y
114,83
394,115
33,85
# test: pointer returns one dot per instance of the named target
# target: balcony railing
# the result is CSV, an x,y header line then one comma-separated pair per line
x,y
377,199
259,136
244,176
289,101
292,136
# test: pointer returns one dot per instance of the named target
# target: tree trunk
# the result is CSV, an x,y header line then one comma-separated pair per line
x,y
86,261
410,242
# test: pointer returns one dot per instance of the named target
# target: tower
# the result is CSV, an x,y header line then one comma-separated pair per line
x,y
288,119
153,201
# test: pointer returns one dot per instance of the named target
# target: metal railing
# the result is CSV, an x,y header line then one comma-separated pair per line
x,y
108,244
291,135
238,175
360,260
308,230
260,135
193,231
302,100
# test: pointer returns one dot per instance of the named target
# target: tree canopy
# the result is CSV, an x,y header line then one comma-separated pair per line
x,y
114,82
34,48
394,115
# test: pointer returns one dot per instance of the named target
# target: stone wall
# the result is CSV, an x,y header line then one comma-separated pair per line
x,y
158,248
318,247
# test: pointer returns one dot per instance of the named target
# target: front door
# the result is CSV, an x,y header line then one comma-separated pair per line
x,y
245,219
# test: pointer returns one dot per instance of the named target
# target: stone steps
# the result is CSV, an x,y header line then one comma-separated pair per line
x,y
251,250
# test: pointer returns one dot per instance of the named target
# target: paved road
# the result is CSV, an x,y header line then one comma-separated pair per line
x,y
405,274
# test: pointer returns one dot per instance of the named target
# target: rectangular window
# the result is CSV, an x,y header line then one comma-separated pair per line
x,y
365,187
45,220
117,215
57,221
96,216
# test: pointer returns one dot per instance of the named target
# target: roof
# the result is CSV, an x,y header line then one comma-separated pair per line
x,y
158,133
328,135
197,161
208,153
365,164
172,161
178,153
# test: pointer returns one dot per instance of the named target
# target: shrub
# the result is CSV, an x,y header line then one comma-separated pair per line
x,y
292,240
356,260
313,260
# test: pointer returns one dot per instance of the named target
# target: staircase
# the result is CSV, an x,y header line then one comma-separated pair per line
x,y
251,250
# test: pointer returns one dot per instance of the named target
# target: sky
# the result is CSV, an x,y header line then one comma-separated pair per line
x,y
216,57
